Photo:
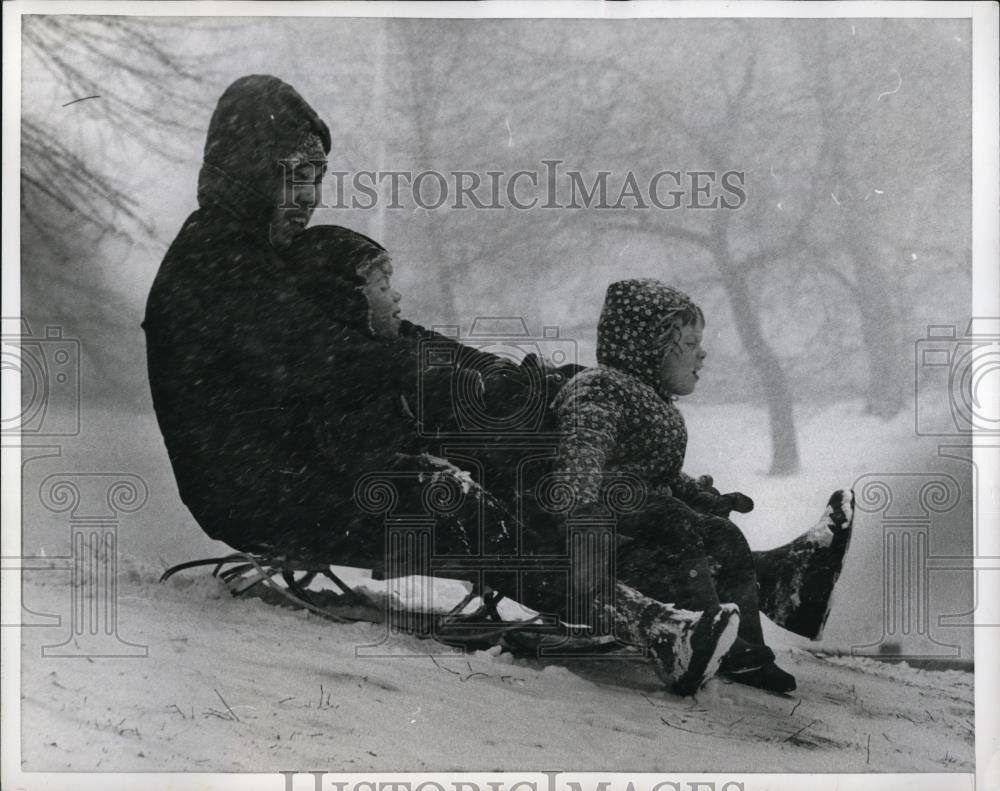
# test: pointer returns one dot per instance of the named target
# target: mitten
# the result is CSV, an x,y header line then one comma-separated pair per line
x,y
733,501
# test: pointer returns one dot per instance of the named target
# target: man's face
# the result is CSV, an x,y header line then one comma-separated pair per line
x,y
383,300
299,194
682,361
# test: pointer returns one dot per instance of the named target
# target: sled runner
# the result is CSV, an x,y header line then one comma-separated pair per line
x,y
686,647
474,621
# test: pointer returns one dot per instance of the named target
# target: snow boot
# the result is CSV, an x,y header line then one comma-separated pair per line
x,y
768,677
745,655
797,580
687,646
711,639
753,664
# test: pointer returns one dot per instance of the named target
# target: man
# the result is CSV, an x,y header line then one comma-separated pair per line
x,y
264,399
232,358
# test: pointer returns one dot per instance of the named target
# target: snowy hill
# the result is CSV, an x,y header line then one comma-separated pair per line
x,y
239,685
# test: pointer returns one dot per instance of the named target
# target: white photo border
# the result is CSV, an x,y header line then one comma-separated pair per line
x,y
985,302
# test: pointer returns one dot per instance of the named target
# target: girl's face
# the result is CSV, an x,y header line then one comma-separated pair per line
x,y
383,300
682,361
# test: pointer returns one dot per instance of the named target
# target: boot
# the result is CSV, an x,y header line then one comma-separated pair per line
x,y
768,677
797,579
737,582
712,637
687,646
753,664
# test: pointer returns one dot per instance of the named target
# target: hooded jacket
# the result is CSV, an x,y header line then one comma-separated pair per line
x,y
614,418
237,358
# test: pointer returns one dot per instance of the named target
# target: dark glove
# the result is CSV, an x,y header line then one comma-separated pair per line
x,y
706,484
734,501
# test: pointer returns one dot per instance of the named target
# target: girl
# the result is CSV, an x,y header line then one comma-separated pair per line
x,y
679,546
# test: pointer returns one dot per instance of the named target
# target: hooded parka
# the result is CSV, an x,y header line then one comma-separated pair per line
x,y
237,358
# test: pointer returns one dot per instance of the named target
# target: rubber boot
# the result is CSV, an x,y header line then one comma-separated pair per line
x,y
753,665
690,585
750,661
797,579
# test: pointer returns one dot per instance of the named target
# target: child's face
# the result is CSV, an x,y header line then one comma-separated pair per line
x,y
383,300
682,361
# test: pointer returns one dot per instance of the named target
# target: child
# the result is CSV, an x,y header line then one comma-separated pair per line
x,y
678,547
348,275
368,422
389,403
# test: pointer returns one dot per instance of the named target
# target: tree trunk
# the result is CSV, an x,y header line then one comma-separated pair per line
x,y
880,329
774,382
426,102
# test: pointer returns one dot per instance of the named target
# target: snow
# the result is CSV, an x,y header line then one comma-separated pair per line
x,y
239,685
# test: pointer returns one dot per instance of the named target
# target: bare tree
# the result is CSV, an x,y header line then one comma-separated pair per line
x,y
121,74
717,129
889,126
99,93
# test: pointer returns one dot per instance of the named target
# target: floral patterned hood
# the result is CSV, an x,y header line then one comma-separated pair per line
x,y
635,325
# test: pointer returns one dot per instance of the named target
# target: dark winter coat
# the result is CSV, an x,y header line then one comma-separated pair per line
x,y
466,397
239,360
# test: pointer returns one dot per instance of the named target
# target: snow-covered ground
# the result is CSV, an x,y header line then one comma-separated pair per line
x,y
239,685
